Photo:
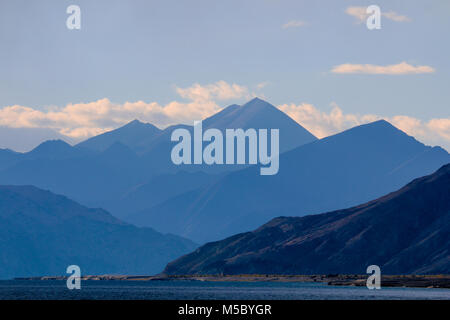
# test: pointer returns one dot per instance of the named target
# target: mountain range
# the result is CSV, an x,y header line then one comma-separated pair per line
x,y
42,233
404,232
128,172
146,139
105,170
336,172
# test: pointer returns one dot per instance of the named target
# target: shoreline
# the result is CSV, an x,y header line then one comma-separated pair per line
x,y
406,281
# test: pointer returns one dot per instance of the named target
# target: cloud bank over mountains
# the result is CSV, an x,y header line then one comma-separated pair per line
x,y
83,120
79,121
322,124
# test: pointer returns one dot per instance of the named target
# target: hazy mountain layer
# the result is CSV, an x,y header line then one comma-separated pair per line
x,y
107,169
336,172
42,233
407,231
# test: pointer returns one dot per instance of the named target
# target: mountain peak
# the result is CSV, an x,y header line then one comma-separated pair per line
x,y
52,145
382,123
373,138
52,149
379,128
135,134
257,102
135,122
259,114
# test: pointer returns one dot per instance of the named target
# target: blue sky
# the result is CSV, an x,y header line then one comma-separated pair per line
x,y
150,51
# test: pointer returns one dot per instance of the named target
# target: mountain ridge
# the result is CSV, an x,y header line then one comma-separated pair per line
x,y
134,134
43,233
336,172
404,232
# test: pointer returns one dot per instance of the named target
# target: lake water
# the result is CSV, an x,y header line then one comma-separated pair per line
x,y
188,290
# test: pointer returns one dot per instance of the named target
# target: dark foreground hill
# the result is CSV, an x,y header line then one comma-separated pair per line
x,y
42,233
407,231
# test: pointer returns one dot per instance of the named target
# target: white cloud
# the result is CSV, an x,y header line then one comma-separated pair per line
x,y
82,120
391,15
394,69
262,85
361,15
220,90
357,12
294,24
322,124
441,127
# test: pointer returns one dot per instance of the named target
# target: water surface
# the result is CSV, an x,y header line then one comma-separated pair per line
x,y
188,290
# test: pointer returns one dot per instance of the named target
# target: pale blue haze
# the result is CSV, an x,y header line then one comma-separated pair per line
x,y
140,50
